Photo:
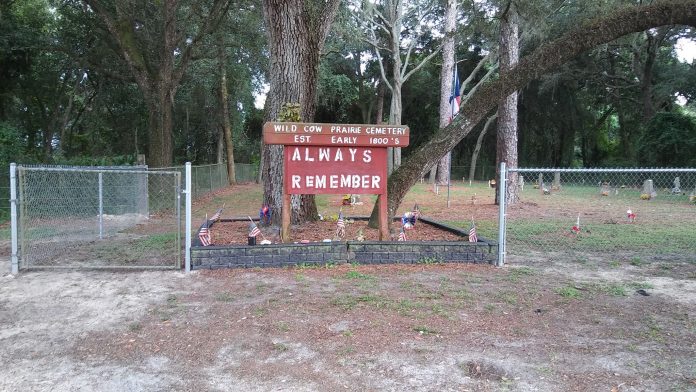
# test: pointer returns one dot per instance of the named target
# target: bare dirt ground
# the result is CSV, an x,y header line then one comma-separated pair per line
x,y
530,326
544,322
226,233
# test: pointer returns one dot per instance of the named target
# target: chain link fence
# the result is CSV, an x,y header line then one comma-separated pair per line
x,y
4,197
98,217
481,173
209,178
618,214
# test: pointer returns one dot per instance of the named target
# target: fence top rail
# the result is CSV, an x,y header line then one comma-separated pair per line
x,y
65,169
193,166
602,170
125,167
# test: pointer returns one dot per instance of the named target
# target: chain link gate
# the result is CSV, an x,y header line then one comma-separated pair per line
x,y
629,215
98,218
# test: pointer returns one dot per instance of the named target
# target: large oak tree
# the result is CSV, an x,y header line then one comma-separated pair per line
x,y
296,33
157,42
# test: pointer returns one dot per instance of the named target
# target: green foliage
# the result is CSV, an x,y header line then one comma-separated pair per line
x,y
569,292
669,140
55,56
11,144
336,94
357,275
290,112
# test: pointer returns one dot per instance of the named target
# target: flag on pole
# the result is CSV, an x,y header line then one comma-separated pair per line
x,y
254,230
204,235
340,223
265,215
455,98
576,229
472,232
216,216
340,226
402,235
416,213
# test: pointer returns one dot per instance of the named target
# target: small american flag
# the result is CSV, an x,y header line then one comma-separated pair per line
x,y
216,216
340,226
254,230
472,232
204,235
402,235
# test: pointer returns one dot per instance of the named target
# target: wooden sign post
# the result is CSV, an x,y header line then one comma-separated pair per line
x,y
335,159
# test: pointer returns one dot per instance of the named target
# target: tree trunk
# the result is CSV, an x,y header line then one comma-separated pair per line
x,y
220,150
447,87
394,154
379,116
296,33
226,129
62,145
506,146
539,62
432,175
159,126
477,149
444,166
395,13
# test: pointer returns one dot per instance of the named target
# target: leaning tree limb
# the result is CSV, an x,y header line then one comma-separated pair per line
x,y
544,59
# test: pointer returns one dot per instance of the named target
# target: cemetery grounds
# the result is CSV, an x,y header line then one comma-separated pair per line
x,y
550,320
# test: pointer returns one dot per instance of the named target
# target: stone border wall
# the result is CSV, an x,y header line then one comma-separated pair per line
x,y
367,252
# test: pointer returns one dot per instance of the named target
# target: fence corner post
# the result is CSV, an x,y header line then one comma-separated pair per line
x,y
13,216
502,194
188,193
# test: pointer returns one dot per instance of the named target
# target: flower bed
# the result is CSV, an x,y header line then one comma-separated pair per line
x,y
445,244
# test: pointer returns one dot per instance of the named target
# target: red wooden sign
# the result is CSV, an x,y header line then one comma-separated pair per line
x,y
335,159
316,134
334,170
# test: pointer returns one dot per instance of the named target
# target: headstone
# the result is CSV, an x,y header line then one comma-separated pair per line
x,y
677,186
556,185
648,191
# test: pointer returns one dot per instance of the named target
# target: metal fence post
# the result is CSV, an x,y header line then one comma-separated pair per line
x,y
502,185
210,177
13,214
178,219
188,217
101,206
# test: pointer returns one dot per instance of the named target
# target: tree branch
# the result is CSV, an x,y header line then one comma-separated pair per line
x,y
215,16
422,63
473,73
480,82
381,67
129,53
538,63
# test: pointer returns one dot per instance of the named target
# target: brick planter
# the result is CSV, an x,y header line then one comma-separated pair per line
x,y
367,252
